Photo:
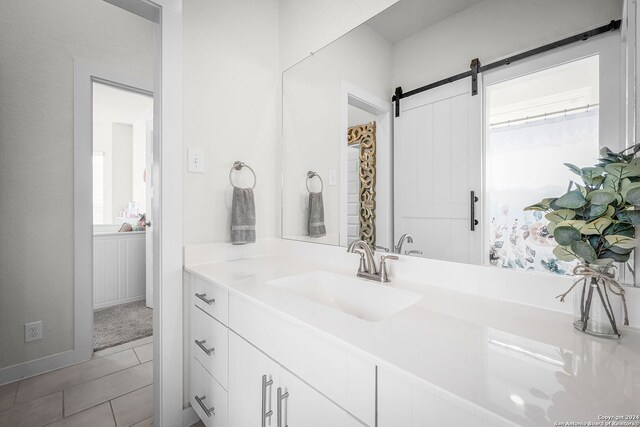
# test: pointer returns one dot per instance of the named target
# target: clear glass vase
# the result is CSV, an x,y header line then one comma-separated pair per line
x,y
597,311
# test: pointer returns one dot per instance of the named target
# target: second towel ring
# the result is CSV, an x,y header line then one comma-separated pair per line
x,y
237,165
310,175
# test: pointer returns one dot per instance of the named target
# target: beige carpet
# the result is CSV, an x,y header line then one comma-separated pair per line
x,y
121,324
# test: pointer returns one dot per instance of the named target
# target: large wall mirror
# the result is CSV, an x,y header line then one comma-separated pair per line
x,y
393,134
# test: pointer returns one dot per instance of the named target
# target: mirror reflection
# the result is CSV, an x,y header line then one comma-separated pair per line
x,y
430,127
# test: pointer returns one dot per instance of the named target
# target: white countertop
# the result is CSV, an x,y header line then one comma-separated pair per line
x,y
526,364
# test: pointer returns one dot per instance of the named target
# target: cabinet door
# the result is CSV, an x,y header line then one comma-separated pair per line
x,y
253,378
305,407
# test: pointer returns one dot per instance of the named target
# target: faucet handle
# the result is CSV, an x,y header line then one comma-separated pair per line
x,y
382,248
384,274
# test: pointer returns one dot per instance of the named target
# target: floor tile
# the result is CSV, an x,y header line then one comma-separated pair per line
x,y
34,413
62,379
144,423
133,407
98,416
86,395
144,352
122,347
8,395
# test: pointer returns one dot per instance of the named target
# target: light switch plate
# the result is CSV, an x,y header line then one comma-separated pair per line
x,y
195,161
332,177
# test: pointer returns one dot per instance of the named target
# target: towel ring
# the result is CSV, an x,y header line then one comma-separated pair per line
x,y
310,175
237,165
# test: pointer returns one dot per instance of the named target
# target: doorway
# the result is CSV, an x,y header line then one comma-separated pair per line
x,y
122,126
550,110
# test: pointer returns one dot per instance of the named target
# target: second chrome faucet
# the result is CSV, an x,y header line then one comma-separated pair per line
x,y
367,268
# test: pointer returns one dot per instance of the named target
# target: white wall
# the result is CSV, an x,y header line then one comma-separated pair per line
x,y
230,111
311,134
38,44
491,30
103,142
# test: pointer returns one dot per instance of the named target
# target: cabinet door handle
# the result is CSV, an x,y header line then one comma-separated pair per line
x,y
203,297
206,410
209,351
266,413
281,397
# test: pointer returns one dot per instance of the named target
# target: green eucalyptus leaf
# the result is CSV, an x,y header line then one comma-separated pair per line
x,y
596,227
551,227
598,210
575,169
572,200
633,196
575,223
610,212
584,250
604,152
607,255
593,181
620,241
629,216
601,197
582,188
566,235
560,215
592,171
619,250
611,183
622,170
564,253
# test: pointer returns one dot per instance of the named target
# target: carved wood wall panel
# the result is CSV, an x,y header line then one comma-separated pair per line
x,y
365,136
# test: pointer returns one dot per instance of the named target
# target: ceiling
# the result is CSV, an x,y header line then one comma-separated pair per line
x,y
407,17
116,105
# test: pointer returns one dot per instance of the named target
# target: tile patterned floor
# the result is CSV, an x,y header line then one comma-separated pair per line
x,y
112,389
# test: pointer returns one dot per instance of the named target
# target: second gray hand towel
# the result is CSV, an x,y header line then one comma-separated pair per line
x,y
243,216
316,215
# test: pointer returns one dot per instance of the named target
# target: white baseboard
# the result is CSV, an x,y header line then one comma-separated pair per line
x,y
40,366
189,417
118,302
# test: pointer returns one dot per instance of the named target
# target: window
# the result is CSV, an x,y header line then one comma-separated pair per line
x,y
548,111
98,188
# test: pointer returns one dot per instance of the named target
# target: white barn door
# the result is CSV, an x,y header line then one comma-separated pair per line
x,y
437,163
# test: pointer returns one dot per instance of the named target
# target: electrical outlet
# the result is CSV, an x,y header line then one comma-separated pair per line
x,y
33,331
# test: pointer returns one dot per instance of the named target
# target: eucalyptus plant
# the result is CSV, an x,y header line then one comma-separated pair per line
x,y
594,221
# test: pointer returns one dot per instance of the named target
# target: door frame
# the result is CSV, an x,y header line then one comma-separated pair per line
x,y
167,209
351,94
84,76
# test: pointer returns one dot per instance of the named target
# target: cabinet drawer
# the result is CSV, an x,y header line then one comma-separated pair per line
x,y
207,397
213,299
210,345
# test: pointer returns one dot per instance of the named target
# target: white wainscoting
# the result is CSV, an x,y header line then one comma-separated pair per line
x,y
118,268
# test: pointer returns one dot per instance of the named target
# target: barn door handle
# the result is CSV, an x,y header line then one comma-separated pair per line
x,y
474,221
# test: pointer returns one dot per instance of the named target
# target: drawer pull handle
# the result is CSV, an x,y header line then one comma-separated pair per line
x,y
281,397
203,297
265,414
206,410
209,351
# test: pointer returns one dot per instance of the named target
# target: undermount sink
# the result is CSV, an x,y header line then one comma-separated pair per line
x,y
359,298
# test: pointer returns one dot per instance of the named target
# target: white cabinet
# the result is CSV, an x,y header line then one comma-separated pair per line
x,y
263,393
405,403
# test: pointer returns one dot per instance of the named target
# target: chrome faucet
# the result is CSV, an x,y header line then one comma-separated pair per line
x,y
406,236
367,268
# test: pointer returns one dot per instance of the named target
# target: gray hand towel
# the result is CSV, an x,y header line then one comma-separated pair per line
x,y
316,215
243,216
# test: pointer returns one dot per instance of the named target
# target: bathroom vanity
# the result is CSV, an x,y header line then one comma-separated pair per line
x,y
291,337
